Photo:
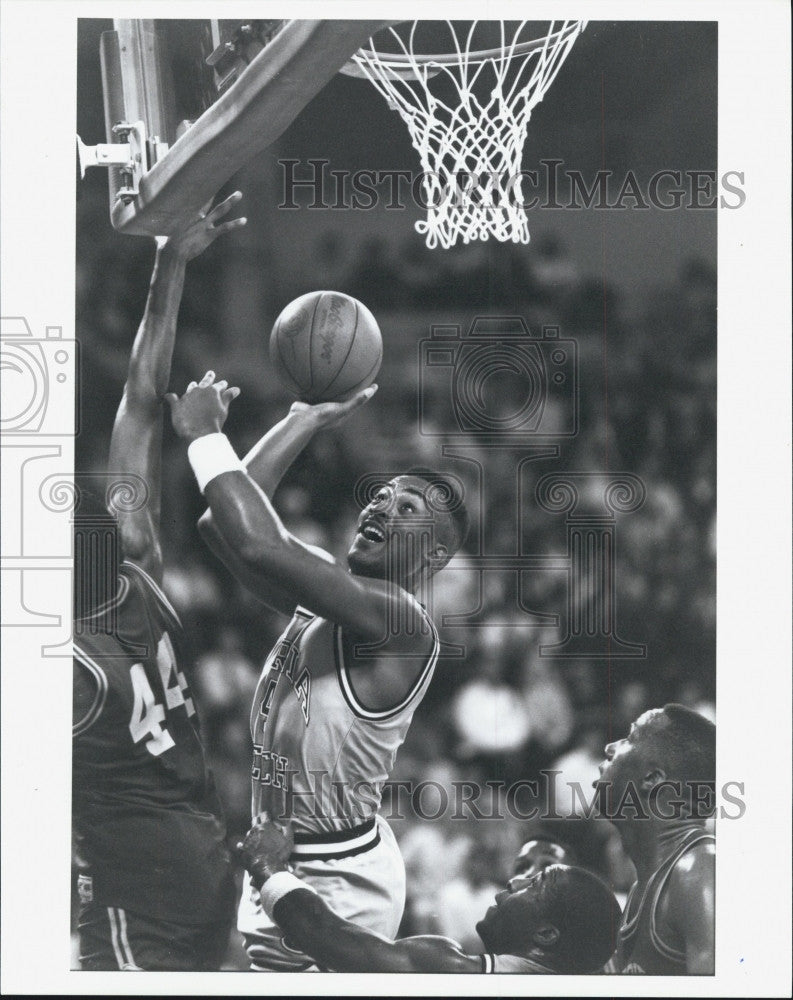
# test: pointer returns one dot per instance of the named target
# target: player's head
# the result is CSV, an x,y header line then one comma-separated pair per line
x,y
564,918
413,526
668,759
541,852
97,554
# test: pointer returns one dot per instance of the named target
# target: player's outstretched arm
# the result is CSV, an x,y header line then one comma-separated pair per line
x,y
267,463
692,901
252,530
135,444
309,924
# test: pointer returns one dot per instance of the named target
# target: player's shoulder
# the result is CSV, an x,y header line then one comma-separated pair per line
x,y
418,637
700,858
151,589
414,626
692,873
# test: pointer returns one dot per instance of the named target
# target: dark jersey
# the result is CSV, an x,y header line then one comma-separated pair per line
x,y
643,946
145,811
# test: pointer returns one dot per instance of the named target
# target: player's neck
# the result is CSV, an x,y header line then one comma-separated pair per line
x,y
649,842
413,581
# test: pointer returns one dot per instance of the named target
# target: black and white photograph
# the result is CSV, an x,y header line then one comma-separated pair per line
x,y
396,499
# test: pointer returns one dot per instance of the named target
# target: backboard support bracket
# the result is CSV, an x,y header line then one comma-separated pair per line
x,y
247,117
129,155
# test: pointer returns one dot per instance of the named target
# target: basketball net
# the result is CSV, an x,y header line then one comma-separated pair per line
x,y
470,149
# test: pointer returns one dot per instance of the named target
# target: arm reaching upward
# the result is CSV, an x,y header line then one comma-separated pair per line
x,y
263,547
267,463
135,445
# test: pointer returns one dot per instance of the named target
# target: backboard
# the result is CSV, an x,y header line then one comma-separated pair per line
x,y
246,83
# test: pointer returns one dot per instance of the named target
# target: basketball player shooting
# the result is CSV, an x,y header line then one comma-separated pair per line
x,y
659,783
560,920
339,689
155,877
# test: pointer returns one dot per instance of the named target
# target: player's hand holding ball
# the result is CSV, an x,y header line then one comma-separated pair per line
x,y
203,408
327,414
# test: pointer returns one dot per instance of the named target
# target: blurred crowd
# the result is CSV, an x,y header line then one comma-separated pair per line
x,y
497,710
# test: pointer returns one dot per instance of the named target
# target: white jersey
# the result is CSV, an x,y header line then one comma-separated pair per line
x,y
320,757
514,964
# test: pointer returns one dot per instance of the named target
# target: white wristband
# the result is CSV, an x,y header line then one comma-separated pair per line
x,y
278,885
211,456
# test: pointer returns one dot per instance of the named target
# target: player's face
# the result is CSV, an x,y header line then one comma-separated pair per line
x,y
629,759
537,855
519,910
396,531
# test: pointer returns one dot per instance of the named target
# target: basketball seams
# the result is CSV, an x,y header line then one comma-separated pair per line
x,y
343,362
324,378
311,330
284,365
360,381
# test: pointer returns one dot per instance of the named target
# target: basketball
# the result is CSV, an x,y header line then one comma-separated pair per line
x,y
326,346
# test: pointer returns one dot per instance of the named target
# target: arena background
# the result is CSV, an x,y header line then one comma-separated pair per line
x,y
636,289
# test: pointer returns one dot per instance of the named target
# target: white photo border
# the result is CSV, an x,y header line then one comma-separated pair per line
x,y
754,451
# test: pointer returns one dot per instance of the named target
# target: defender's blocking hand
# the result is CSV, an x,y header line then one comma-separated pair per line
x,y
198,236
203,408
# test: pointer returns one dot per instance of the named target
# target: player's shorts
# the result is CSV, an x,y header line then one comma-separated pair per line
x,y
112,938
366,887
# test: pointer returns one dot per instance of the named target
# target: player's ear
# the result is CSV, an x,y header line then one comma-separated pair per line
x,y
653,777
438,558
546,936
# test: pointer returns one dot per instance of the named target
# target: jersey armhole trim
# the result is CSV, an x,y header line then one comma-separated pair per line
x,y
158,592
114,602
345,682
488,963
100,697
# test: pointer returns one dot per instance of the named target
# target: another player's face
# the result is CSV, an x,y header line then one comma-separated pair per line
x,y
629,759
519,910
396,531
537,855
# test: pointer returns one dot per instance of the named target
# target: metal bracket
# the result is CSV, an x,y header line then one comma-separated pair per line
x,y
129,155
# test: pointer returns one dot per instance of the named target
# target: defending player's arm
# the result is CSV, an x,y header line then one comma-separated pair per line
x,y
267,463
692,900
309,924
251,528
135,444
